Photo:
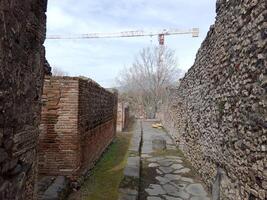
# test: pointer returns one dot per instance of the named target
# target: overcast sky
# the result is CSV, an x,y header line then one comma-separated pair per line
x,y
102,59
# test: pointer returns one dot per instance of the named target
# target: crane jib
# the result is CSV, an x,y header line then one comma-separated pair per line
x,y
139,33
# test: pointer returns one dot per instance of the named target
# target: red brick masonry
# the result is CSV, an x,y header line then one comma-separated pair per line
x,y
78,122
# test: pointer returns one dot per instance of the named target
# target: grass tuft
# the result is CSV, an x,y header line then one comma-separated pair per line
x,y
106,176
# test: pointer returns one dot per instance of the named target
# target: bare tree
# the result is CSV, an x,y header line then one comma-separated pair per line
x,y
144,83
56,71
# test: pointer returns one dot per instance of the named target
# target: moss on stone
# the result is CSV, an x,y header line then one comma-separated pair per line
x,y
148,176
168,152
130,182
133,153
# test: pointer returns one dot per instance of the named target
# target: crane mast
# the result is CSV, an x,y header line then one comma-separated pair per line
x,y
137,33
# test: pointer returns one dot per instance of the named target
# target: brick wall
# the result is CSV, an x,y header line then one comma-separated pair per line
x,y
22,33
218,113
59,140
78,118
96,121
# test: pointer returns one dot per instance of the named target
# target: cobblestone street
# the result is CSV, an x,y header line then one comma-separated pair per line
x,y
165,173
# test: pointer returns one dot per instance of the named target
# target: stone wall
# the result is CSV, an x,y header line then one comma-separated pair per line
x,y
78,123
22,33
218,114
123,116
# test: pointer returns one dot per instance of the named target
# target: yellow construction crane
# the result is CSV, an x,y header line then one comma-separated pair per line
x,y
138,33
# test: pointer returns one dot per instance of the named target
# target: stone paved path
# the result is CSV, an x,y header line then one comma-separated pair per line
x,y
166,174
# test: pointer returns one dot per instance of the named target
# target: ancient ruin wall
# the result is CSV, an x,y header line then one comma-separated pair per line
x,y
77,125
96,121
120,117
58,140
22,33
218,114
123,116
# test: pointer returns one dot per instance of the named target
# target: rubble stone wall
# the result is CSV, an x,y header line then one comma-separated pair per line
x,y
22,33
218,113
78,123
123,116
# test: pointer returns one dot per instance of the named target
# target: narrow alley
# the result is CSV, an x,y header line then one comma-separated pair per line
x,y
156,169
133,100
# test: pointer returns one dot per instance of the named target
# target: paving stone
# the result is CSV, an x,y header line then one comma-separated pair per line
x,y
153,198
180,195
196,190
147,147
44,183
128,191
155,159
58,189
165,163
174,157
172,177
188,180
183,195
155,189
132,168
162,180
168,159
182,171
171,147
171,184
166,169
177,166
127,197
171,198
178,161
199,198
144,155
179,186
153,165
158,143
135,143
159,172
171,190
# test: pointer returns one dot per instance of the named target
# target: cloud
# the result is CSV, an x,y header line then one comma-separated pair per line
x,y
57,19
102,59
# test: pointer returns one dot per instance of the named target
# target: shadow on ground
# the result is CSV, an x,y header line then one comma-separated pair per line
x,y
106,176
